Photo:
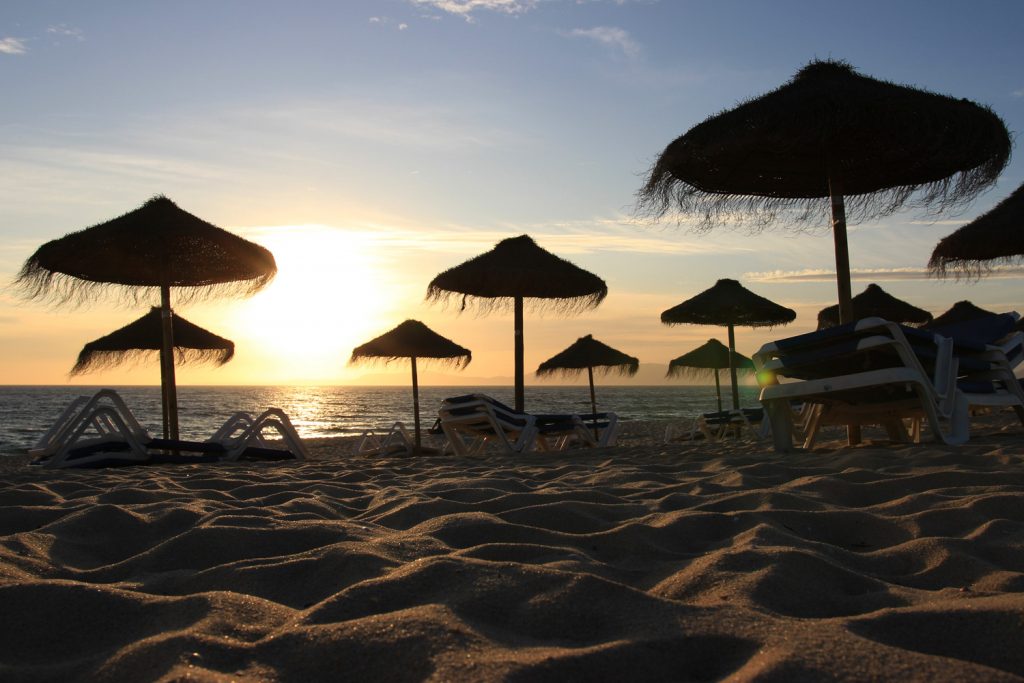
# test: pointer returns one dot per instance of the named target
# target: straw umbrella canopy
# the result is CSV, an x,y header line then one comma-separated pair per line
x,y
730,304
587,353
709,359
876,301
961,311
515,270
136,340
149,250
413,340
996,236
829,138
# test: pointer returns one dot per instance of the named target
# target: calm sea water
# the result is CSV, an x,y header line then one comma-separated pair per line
x,y
27,412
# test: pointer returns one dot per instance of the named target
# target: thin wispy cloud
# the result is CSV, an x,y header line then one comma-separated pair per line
x,y
465,8
425,126
12,46
609,36
1018,93
567,238
873,275
387,21
66,31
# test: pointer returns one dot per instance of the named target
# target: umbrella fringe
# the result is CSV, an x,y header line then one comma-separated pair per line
x,y
969,270
677,371
626,370
666,196
92,361
458,362
59,289
501,304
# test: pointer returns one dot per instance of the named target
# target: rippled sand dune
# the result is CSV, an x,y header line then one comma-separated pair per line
x,y
640,562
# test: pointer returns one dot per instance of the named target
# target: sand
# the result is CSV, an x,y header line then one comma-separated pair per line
x,y
644,562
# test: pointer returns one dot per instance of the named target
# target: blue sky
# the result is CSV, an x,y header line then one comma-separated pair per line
x,y
371,145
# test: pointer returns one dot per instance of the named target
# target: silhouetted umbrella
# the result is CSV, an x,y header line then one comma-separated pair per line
x,y
709,359
729,303
830,134
153,248
876,301
961,311
518,269
192,344
996,236
413,340
586,353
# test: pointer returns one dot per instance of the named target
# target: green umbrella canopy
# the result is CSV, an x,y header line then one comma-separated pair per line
x,y
875,301
830,141
959,312
995,237
706,360
157,245
514,271
729,303
135,341
412,340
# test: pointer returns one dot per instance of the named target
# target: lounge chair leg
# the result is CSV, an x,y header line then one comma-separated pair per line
x,y
782,428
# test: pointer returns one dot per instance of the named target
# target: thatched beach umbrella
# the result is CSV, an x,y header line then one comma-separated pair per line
x,y
996,236
587,353
149,250
876,301
709,359
729,303
413,340
134,341
830,138
961,311
515,270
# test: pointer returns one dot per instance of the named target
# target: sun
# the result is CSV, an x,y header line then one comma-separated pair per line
x,y
331,293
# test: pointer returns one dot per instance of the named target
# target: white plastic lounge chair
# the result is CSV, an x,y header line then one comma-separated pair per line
x,y
562,431
604,427
473,421
988,350
101,430
717,425
868,372
392,442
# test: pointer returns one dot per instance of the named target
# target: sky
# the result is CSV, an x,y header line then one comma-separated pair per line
x,y
371,145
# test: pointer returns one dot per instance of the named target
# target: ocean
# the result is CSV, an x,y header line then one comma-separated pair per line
x,y
26,412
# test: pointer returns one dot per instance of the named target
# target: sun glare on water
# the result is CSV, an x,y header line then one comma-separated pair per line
x,y
330,294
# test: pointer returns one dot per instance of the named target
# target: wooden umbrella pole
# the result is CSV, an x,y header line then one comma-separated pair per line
x,y
732,369
167,382
842,251
593,397
416,402
842,272
520,392
718,390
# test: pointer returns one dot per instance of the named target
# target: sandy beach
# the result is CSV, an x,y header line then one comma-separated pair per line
x,y
643,561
